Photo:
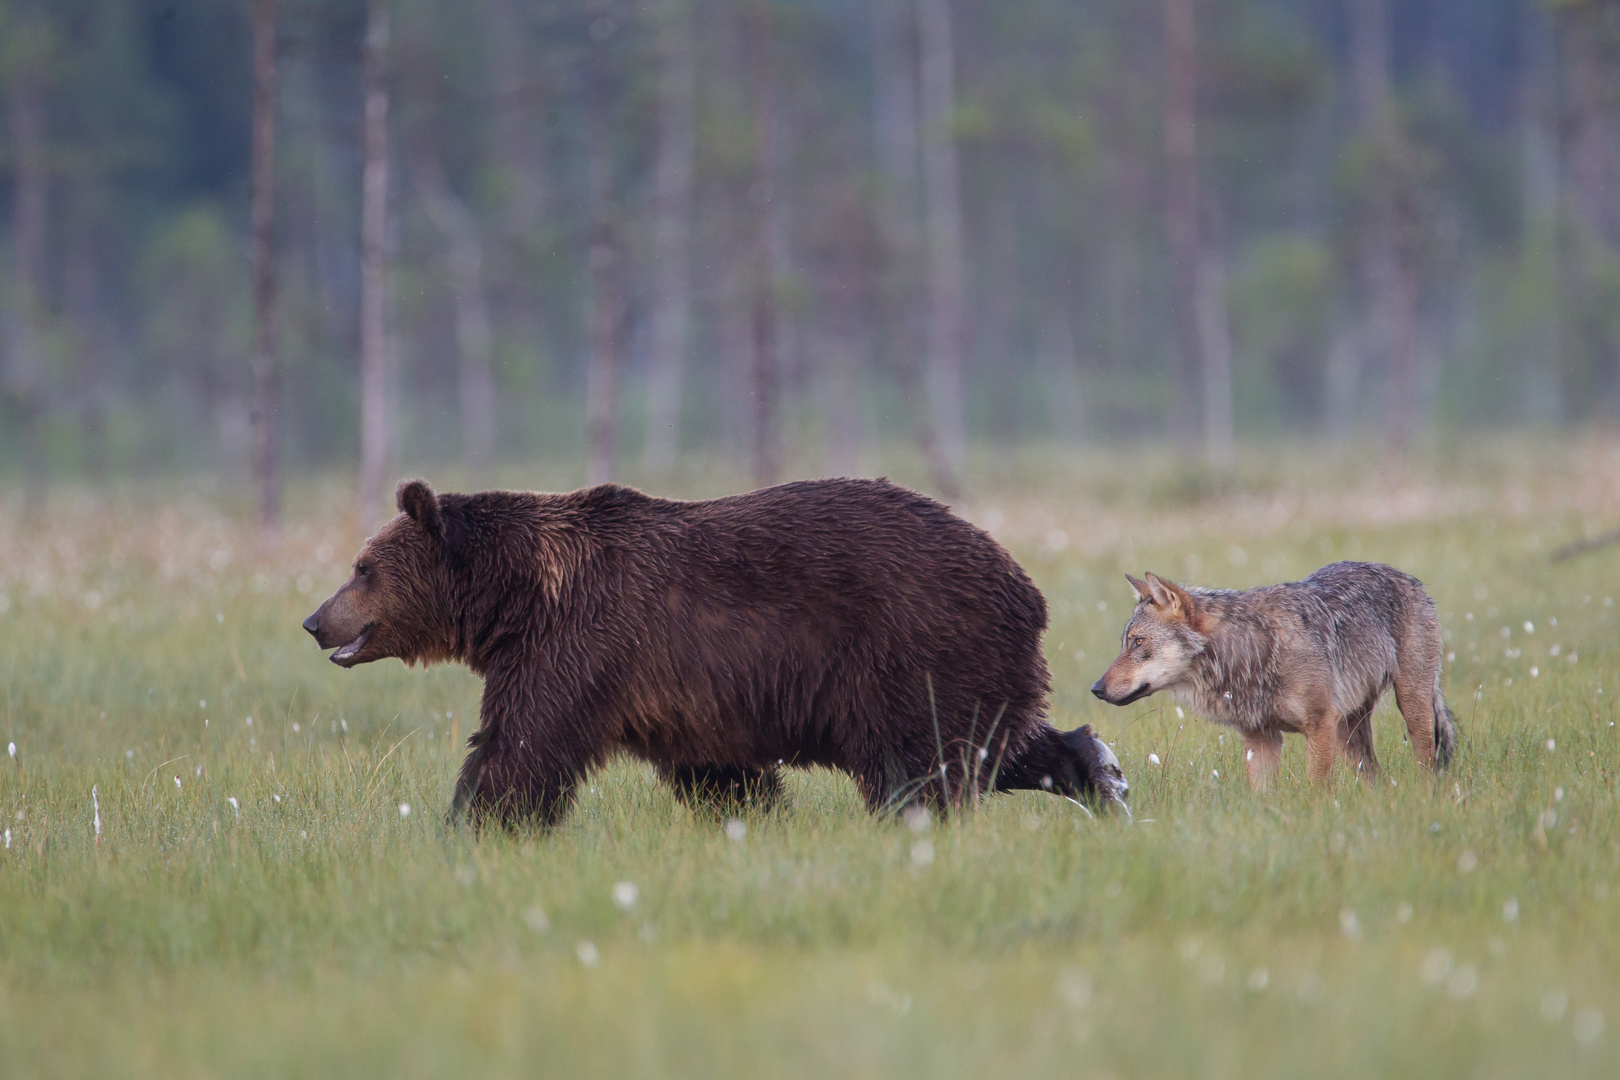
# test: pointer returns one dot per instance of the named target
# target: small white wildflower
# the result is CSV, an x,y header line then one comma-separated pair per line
x,y
1588,1026
295,727
586,951
1534,671
1552,744
1153,758
11,748
235,807
177,783
1510,909
1215,774
404,809
1463,982
1436,964
1179,713
1075,987
624,895
984,752
1529,627
277,798
1555,650
736,829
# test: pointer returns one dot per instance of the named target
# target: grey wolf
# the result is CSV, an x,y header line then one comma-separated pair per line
x,y
1311,657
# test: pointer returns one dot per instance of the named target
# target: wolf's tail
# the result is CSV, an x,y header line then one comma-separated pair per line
x,y
1445,730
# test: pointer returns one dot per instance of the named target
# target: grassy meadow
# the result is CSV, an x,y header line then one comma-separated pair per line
x,y
226,857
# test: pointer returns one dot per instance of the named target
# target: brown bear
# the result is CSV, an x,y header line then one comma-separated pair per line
x,y
846,623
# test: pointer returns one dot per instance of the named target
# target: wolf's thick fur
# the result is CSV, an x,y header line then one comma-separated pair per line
x,y
1311,657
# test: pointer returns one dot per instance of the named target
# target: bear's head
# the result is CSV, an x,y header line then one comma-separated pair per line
x,y
395,603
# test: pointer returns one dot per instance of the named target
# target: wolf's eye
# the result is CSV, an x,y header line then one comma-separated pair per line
x,y
1138,642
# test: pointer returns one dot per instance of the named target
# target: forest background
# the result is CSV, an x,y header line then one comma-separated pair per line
x,y
248,238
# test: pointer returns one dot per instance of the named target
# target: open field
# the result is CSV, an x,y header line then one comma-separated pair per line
x,y
279,896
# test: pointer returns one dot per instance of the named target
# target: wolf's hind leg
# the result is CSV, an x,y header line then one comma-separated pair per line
x,y
1356,740
1322,747
1414,696
1263,754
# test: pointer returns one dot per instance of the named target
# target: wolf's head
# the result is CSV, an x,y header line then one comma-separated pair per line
x,y
1160,642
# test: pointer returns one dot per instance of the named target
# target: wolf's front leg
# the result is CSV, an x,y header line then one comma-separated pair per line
x,y
1263,756
1322,747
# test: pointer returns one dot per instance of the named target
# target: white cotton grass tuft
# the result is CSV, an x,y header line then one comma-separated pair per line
x,y
95,801
1436,966
1154,758
235,807
177,783
736,829
922,853
1588,1027
8,839
625,894
1510,909
588,954
1529,627
535,919
404,809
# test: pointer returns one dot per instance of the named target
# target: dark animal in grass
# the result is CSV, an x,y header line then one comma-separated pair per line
x,y
851,624
1310,656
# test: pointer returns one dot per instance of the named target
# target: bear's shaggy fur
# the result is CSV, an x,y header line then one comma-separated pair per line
x,y
847,623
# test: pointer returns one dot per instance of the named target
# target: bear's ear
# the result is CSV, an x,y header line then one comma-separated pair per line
x,y
417,502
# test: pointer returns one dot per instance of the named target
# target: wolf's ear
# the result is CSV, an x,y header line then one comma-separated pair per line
x,y
417,502
1143,592
1175,600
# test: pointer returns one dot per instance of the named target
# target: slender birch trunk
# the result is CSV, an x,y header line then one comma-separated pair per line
x,y
29,208
895,140
375,421
602,390
672,209
942,201
262,199
1391,282
767,450
1181,215
464,254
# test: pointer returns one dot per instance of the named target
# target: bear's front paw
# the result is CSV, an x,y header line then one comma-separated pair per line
x,y
1098,766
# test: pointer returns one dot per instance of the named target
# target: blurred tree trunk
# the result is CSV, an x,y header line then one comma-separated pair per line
x,y
475,380
518,146
29,195
947,271
1181,214
1590,230
767,455
672,226
894,126
1543,369
602,390
262,197
1215,356
375,421
1387,259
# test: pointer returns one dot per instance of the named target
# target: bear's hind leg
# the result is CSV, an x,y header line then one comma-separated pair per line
x,y
724,787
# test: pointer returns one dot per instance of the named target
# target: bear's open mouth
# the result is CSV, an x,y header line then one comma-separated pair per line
x,y
345,656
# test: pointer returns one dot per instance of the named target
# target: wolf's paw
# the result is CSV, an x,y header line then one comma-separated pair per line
x,y
1099,768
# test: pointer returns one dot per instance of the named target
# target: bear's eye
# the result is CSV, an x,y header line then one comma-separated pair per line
x,y
363,570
